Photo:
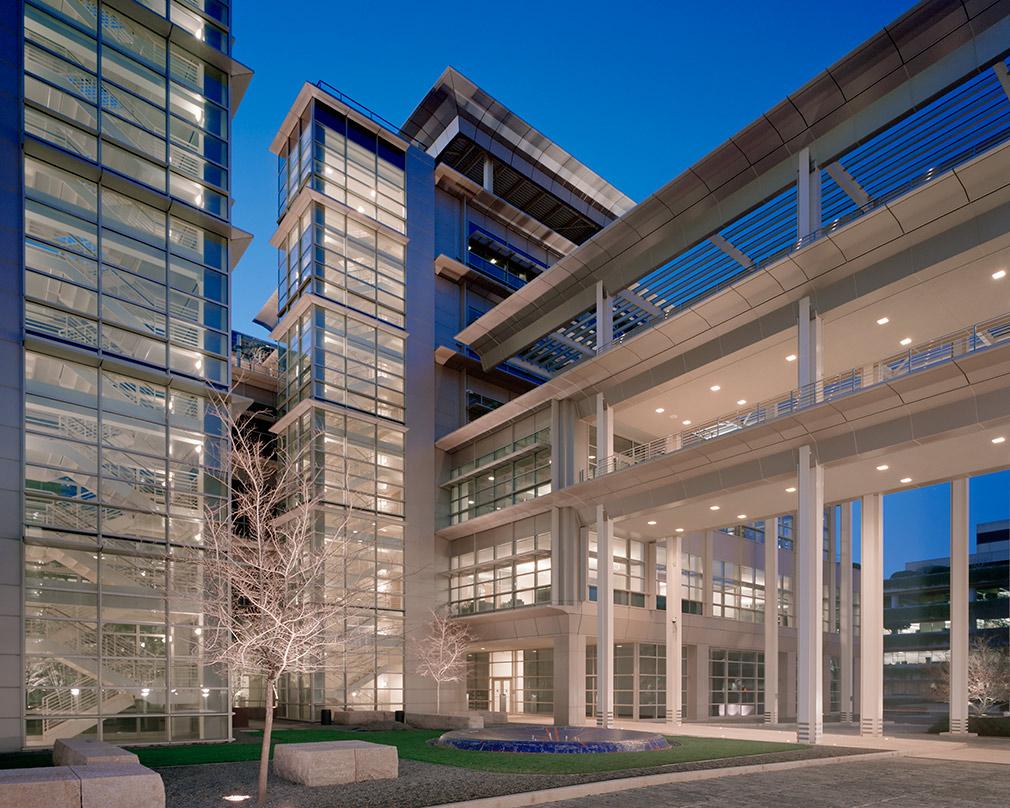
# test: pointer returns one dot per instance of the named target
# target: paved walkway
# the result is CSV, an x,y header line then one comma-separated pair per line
x,y
895,783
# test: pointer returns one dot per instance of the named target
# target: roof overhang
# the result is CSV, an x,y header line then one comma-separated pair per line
x,y
456,105
909,62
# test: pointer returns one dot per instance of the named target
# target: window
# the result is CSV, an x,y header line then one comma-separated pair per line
x,y
736,683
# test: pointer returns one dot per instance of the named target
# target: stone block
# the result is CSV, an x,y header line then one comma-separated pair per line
x,y
374,761
53,787
334,762
441,721
119,785
86,752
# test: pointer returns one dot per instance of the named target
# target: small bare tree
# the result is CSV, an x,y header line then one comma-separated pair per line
x,y
441,653
988,676
274,588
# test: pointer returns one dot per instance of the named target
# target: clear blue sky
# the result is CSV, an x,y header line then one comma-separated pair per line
x,y
638,91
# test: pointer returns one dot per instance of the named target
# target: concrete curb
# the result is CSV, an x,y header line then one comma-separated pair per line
x,y
628,783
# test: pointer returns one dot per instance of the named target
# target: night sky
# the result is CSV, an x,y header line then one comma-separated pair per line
x,y
637,91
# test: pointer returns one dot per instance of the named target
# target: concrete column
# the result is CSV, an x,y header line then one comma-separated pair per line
x,y
569,680
566,581
771,624
832,570
674,632
706,581
563,458
808,363
651,582
604,619
808,195
959,606
604,431
488,174
791,671
871,632
846,614
604,317
702,682
809,580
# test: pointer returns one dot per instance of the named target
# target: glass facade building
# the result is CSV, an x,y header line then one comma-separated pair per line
x,y
341,354
125,252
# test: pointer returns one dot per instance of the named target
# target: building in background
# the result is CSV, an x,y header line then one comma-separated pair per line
x,y
917,622
117,248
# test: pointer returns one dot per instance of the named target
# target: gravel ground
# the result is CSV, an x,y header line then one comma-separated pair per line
x,y
419,784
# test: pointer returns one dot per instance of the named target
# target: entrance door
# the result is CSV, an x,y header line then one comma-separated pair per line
x,y
500,689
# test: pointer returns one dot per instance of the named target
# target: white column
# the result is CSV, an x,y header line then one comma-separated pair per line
x,y
871,628
604,619
959,606
832,570
604,432
488,175
808,343
808,195
651,575
569,679
809,580
771,618
674,634
845,617
604,317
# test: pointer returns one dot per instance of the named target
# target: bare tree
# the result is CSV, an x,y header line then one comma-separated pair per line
x,y
441,653
275,593
988,676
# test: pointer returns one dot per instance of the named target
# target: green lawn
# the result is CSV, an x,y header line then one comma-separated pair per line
x,y
412,745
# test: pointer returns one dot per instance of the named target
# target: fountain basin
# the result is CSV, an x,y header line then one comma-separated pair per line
x,y
552,740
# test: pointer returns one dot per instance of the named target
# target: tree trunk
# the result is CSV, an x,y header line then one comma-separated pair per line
x,y
268,726
438,697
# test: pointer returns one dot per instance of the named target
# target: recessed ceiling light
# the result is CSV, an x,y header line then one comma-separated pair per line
x,y
883,467
791,490
686,423
999,275
491,477
741,402
905,480
660,410
652,521
883,321
906,341
713,507
791,357
679,530
741,516
715,388
1000,439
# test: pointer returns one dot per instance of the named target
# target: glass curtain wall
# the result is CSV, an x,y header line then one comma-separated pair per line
x,y
344,353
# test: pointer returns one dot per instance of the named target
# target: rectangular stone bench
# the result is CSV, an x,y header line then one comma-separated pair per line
x,y
86,752
441,721
331,763
48,787
101,785
119,785
356,717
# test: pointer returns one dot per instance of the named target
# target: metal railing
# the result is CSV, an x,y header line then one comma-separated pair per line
x,y
918,357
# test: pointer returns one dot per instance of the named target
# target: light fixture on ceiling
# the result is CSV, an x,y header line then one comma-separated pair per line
x,y
660,410
713,507
906,341
999,275
679,530
905,480
651,522
791,357
715,388
883,321
741,516
686,422
791,490
490,477
999,440
741,401
883,467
